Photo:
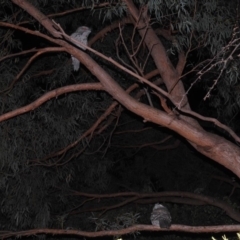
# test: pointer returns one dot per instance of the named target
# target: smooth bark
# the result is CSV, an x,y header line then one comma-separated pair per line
x,y
213,146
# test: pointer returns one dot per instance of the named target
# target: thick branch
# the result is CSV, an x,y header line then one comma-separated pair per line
x,y
208,144
169,74
213,146
132,229
47,96
40,17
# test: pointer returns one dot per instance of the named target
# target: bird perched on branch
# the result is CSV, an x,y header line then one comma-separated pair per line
x,y
160,216
80,35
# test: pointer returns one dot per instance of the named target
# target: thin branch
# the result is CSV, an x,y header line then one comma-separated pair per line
x,y
47,96
91,130
71,11
36,55
19,54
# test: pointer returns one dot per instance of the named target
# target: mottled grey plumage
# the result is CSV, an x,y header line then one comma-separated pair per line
x,y
160,216
80,35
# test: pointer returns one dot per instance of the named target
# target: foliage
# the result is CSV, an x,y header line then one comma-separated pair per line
x,y
28,183
206,26
226,98
122,221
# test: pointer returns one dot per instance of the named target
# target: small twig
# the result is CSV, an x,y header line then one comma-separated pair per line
x,y
36,55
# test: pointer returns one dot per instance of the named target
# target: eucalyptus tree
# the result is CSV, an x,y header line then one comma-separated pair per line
x,y
165,47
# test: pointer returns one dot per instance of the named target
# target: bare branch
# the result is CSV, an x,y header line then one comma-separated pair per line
x,y
36,55
47,96
40,17
129,230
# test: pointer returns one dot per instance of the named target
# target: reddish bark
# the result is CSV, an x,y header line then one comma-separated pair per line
x,y
124,231
212,146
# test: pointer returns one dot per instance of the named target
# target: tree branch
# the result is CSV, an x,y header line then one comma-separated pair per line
x,y
47,96
129,230
213,146
40,17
